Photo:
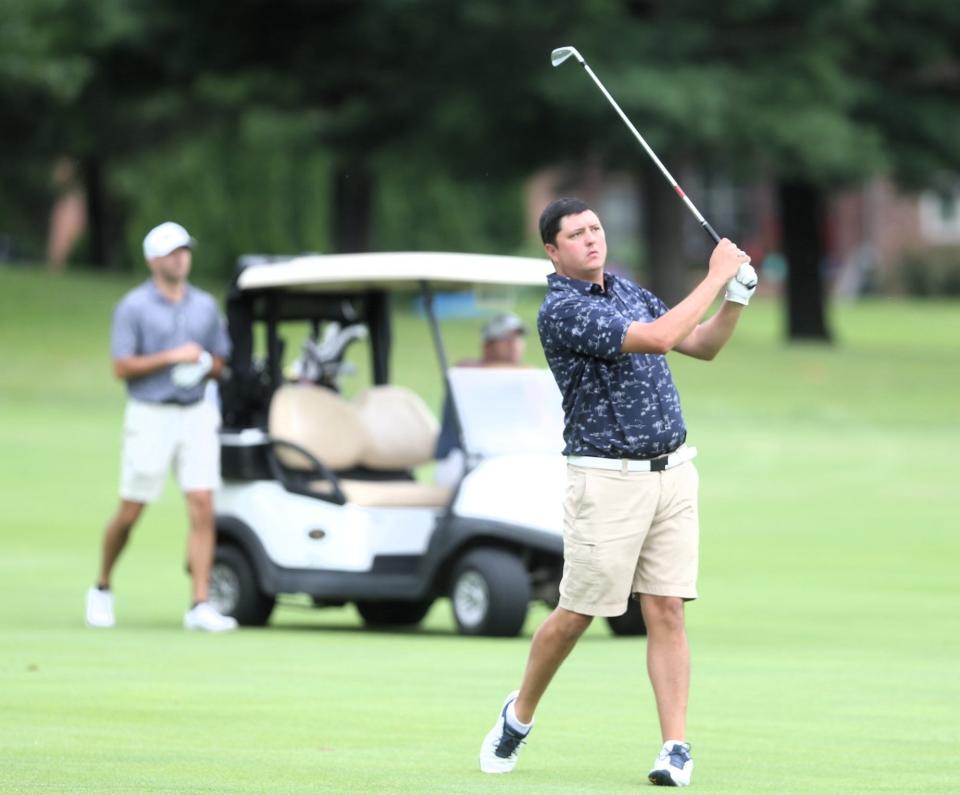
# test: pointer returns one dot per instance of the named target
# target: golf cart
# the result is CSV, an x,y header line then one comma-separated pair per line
x,y
319,496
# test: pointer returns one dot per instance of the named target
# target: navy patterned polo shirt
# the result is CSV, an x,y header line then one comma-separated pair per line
x,y
615,405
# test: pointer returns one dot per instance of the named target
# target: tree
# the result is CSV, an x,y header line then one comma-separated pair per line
x,y
747,91
41,70
815,95
464,92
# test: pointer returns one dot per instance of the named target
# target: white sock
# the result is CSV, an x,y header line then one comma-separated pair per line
x,y
514,721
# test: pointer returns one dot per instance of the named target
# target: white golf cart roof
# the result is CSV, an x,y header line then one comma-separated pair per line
x,y
395,271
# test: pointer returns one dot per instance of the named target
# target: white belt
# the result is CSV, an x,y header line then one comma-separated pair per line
x,y
680,456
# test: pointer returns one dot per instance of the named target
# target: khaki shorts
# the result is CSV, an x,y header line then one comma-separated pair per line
x,y
627,533
157,437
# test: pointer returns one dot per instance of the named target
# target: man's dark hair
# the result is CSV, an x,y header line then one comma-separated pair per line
x,y
554,213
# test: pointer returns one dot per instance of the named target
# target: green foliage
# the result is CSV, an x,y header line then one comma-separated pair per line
x,y
906,55
262,187
460,95
434,212
38,54
749,88
930,273
42,68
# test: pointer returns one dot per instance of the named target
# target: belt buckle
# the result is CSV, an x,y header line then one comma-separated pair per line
x,y
659,464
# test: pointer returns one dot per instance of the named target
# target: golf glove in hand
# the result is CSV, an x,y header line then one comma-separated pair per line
x,y
188,375
742,286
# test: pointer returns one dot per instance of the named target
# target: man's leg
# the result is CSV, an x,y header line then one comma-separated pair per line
x,y
200,550
552,642
115,537
668,662
202,540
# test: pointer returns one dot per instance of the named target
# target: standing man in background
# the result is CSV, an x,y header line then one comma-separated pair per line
x,y
167,339
631,526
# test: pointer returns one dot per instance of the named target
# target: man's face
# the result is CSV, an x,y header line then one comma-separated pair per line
x,y
174,267
581,248
506,350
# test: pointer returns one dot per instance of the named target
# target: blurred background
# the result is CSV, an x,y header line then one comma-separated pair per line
x,y
821,136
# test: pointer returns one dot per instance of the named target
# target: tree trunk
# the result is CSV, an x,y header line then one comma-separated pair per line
x,y
802,220
663,232
352,206
97,223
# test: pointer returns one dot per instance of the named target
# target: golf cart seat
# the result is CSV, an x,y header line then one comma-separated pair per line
x,y
403,433
320,439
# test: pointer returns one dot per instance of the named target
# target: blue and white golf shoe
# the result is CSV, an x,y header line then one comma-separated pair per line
x,y
498,754
674,765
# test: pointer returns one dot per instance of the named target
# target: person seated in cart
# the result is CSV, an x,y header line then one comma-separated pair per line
x,y
504,342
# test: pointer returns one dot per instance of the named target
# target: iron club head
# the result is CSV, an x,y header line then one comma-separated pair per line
x,y
559,55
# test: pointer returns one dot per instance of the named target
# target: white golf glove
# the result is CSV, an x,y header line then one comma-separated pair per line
x,y
188,374
742,286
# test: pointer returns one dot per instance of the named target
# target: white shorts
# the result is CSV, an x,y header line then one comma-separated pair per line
x,y
158,436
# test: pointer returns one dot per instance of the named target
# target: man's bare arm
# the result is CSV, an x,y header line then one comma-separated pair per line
x,y
673,327
130,367
706,340
670,329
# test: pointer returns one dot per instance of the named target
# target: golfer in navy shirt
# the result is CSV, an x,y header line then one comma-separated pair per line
x,y
631,523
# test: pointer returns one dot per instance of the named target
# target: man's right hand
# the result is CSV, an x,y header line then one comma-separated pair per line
x,y
725,260
187,353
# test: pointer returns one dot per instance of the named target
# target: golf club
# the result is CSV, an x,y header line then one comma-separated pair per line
x,y
561,54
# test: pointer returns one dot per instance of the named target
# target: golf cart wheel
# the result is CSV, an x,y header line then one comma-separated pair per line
x,y
393,614
631,622
490,593
234,590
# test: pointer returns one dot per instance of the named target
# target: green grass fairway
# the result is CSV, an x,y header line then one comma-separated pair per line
x,y
826,643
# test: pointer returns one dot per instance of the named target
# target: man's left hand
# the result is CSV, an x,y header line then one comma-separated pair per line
x,y
742,286
187,376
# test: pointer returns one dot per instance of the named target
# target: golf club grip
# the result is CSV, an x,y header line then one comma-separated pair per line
x,y
710,231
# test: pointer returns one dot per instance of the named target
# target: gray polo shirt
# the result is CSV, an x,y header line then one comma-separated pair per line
x,y
146,322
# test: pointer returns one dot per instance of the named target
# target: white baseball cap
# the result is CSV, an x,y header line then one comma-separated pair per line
x,y
163,239
503,326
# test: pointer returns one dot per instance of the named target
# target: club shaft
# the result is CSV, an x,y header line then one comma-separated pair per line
x,y
653,156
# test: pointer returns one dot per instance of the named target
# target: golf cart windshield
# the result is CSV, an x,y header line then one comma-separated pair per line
x,y
508,410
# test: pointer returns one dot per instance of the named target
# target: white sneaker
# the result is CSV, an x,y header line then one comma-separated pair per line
x,y
100,608
674,766
205,617
498,754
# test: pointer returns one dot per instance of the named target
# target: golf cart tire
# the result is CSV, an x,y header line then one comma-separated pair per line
x,y
630,623
490,593
393,614
233,575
